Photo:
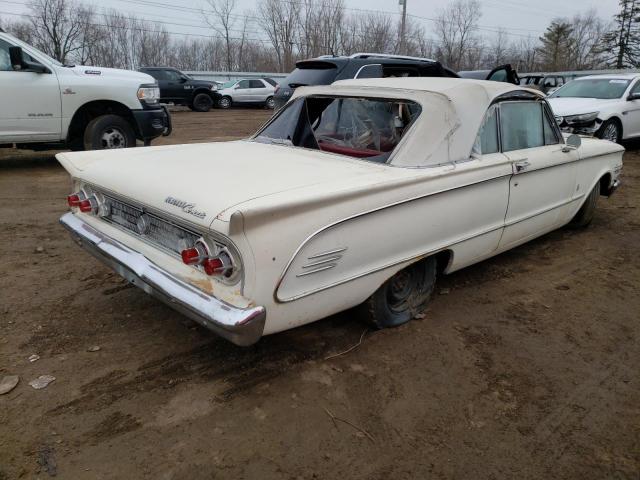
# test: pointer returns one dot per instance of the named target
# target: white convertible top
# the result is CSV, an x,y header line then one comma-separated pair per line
x,y
452,112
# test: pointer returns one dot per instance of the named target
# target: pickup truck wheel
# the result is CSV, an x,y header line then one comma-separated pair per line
x,y
109,131
202,103
401,297
587,210
224,102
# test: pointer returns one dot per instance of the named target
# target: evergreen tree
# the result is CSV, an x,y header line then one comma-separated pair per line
x,y
622,45
556,45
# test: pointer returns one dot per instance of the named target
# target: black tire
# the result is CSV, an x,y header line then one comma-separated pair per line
x,y
587,210
401,297
202,102
610,130
225,102
270,103
108,132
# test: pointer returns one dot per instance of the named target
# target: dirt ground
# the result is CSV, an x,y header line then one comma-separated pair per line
x,y
525,366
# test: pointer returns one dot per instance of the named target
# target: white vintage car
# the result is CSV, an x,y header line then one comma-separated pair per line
x,y
355,194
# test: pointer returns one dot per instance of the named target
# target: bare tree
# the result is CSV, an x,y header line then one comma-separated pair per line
x,y
456,27
280,21
59,26
222,20
587,35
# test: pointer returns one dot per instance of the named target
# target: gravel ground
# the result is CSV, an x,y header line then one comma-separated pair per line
x,y
524,366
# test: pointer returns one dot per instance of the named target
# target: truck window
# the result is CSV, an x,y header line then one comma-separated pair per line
x,y
5,60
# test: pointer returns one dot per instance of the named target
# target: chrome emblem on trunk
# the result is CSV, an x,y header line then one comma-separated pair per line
x,y
186,207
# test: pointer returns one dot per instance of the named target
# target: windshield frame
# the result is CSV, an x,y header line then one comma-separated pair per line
x,y
33,51
409,129
630,82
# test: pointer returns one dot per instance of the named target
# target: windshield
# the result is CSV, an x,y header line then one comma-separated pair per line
x,y
229,84
602,88
367,128
312,73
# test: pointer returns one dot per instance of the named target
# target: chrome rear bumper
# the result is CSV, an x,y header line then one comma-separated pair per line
x,y
240,326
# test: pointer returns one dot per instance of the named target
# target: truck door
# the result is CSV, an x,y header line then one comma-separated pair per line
x,y
31,108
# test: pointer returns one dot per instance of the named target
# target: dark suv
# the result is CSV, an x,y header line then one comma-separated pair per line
x,y
327,69
181,89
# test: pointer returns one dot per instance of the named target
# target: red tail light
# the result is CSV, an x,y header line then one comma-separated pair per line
x,y
191,256
213,266
86,205
73,200
199,255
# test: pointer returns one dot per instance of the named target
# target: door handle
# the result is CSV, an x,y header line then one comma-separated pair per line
x,y
522,165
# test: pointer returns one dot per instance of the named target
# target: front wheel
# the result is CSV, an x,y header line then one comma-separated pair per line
x,y
610,130
401,297
224,102
108,132
202,103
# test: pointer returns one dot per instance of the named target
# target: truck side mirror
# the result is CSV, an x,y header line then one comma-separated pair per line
x,y
18,62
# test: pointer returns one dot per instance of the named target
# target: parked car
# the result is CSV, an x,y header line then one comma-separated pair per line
x,y
545,83
605,106
328,69
180,89
46,104
255,91
359,193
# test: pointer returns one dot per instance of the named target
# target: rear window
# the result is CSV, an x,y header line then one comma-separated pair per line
x,y
359,127
312,73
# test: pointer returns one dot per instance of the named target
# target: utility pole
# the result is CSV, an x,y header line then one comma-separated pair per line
x,y
403,26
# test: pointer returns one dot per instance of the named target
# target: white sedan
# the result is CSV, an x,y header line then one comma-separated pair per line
x,y
605,106
356,194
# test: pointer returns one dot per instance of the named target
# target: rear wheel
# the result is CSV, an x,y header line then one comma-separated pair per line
x,y
202,103
610,130
108,132
270,103
401,297
587,210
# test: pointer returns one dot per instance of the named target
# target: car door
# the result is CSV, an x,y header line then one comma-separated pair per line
x,y
163,84
31,108
242,92
176,85
504,73
259,91
631,111
544,171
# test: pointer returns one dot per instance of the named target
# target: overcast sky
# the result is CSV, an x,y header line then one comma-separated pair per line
x,y
519,17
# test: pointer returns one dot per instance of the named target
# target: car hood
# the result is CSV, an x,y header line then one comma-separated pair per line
x,y
198,182
112,73
564,106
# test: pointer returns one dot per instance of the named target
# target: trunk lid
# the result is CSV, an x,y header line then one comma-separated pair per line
x,y
197,182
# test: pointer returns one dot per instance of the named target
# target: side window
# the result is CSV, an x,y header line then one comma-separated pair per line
x,y
5,60
487,139
521,125
157,74
243,84
256,84
550,136
172,76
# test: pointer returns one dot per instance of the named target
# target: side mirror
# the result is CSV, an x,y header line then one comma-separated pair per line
x,y
572,143
633,96
18,62
183,79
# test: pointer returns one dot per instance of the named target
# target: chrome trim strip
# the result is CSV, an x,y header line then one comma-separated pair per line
x,y
330,252
238,325
542,212
322,269
322,262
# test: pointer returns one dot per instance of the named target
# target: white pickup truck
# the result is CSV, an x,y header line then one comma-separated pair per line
x,y
46,104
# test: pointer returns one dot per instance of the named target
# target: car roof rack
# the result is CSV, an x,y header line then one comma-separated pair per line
x,y
388,55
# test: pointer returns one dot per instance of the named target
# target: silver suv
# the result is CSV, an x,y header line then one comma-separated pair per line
x,y
255,91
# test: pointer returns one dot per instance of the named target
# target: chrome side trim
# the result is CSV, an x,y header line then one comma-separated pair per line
x,y
543,211
322,262
330,252
322,269
238,325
